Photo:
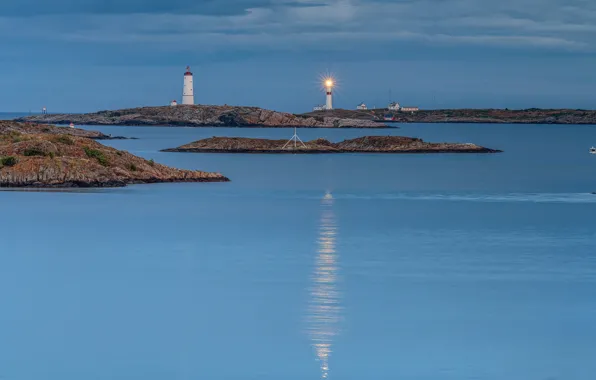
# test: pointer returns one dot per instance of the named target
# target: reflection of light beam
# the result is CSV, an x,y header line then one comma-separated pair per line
x,y
325,309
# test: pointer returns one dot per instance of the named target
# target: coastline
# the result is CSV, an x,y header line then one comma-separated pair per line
x,y
360,145
202,116
41,156
472,116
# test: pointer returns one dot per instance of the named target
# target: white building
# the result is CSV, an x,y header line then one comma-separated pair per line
x,y
409,109
188,95
319,108
173,103
361,106
394,106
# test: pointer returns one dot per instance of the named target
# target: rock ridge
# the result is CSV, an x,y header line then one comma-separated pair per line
x,y
366,144
203,116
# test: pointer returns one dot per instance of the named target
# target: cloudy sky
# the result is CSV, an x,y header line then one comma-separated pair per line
x,y
86,55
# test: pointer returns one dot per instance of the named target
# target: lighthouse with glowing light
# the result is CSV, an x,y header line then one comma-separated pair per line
x,y
188,96
329,89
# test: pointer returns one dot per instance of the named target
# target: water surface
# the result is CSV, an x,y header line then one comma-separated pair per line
x,y
309,266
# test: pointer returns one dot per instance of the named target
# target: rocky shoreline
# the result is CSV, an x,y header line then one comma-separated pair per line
x,y
366,144
203,116
480,116
40,156
31,128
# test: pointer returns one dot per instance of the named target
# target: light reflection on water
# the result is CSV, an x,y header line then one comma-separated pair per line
x,y
325,309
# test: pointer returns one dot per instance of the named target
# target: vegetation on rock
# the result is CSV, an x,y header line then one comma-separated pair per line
x,y
48,159
97,154
366,144
8,161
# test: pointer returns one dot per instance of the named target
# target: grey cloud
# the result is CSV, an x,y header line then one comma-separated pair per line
x,y
564,25
24,8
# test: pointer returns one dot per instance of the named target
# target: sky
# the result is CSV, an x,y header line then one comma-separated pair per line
x,y
90,55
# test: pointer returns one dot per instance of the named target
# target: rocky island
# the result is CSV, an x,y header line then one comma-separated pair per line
x,y
493,116
6,127
40,156
204,116
366,144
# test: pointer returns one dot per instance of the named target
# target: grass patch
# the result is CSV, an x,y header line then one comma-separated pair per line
x,y
8,161
63,139
98,155
16,136
33,152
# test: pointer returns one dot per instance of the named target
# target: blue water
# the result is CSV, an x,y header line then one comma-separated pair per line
x,y
304,266
14,115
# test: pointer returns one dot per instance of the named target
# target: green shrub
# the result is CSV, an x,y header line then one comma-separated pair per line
x,y
16,136
98,155
33,152
8,161
132,167
64,139
151,162
52,155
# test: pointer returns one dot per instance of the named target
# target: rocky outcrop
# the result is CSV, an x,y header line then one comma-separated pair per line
x,y
202,116
30,128
525,116
367,144
49,159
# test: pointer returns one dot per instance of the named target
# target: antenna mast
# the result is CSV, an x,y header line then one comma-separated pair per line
x,y
294,139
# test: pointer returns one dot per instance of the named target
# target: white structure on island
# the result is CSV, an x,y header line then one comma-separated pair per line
x,y
409,109
319,107
362,107
394,106
188,95
329,90
173,103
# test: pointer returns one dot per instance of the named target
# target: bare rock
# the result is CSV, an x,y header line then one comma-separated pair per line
x,y
202,115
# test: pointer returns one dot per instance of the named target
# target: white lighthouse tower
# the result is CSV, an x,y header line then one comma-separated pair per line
x,y
329,89
188,95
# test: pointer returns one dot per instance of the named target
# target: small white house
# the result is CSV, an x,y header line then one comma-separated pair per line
x,y
409,109
361,106
394,106
319,108
173,103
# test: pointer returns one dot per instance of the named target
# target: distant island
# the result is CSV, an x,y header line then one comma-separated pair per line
x,y
204,116
237,116
366,144
46,156
525,116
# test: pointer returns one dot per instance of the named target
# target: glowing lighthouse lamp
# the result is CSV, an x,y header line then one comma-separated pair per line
x,y
329,83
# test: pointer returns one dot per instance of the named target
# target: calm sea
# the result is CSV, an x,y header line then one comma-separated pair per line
x,y
347,266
